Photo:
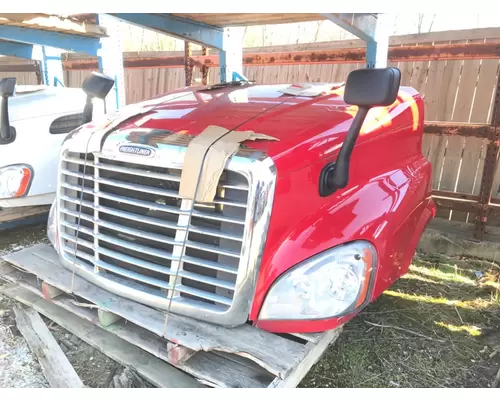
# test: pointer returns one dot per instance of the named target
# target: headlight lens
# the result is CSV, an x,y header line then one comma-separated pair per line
x,y
52,229
327,285
15,180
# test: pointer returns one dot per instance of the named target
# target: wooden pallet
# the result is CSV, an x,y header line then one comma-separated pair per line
x,y
187,353
14,217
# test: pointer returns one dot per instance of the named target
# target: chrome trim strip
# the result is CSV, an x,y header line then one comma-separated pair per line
x,y
260,173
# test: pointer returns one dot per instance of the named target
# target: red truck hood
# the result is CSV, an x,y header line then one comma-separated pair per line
x,y
309,126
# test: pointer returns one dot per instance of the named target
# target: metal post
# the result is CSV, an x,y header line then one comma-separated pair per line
x,y
188,65
38,72
50,64
231,57
377,49
204,69
489,169
110,60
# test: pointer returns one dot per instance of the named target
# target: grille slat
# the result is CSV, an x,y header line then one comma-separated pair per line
x,y
195,213
145,173
216,233
125,229
150,236
123,185
133,224
152,266
124,243
161,284
127,215
145,189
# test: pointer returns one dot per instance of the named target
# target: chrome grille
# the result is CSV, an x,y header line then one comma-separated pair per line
x,y
131,225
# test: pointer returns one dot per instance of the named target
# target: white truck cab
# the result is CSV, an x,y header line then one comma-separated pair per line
x,y
39,117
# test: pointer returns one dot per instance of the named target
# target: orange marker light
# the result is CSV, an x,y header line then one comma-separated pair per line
x,y
15,181
368,259
25,182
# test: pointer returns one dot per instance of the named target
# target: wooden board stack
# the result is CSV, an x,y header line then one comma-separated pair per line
x,y
188,353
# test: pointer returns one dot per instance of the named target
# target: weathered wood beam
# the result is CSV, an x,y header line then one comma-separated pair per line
x,y
56,367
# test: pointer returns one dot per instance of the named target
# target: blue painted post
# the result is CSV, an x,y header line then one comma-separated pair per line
x,y
51,64
231,56
110,59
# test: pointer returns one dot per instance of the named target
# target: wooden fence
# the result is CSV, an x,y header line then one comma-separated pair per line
x,y
457,72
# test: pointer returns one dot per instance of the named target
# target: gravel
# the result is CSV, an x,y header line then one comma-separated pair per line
x,y
18,366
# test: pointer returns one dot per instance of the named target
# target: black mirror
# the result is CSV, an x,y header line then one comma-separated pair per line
x,y
365,88
7,89
96,85
372,87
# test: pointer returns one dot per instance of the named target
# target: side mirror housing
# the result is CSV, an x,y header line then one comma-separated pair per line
x,y
365,88
96,85
7,89
372,87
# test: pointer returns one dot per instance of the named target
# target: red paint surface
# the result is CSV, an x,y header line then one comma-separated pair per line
x,y
386,202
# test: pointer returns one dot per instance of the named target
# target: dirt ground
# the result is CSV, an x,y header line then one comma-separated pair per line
x,y
438,326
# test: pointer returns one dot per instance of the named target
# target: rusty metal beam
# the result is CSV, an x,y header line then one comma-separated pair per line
x,y
188,66
204,69
482,131
449,203
494,210
130,62
455,195
463,51
489,169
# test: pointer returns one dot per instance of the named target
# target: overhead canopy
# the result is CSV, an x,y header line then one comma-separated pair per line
x,y
229,20
53,23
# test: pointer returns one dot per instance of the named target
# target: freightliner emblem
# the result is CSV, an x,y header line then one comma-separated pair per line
x,y
137,150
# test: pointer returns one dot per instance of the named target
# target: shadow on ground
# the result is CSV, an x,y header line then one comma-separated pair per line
x,y
438,326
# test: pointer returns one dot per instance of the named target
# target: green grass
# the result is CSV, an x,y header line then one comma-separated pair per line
x,y
436,327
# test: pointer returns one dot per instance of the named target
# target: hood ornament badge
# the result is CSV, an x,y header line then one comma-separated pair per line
x,y
136,150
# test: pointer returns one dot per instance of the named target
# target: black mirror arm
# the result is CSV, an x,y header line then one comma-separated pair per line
x,y
336,175
7,133
87,110
4,123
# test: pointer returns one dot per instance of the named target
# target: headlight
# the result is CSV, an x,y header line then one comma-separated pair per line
x,y
15,180
330,284
52,226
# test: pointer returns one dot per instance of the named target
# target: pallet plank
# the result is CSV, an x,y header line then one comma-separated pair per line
x,y
276,354
310,337
226,373
55,366
12,214
147,366
314,352
233,371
